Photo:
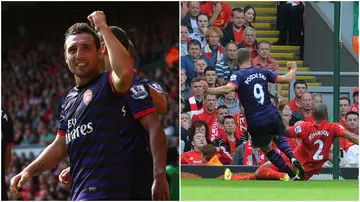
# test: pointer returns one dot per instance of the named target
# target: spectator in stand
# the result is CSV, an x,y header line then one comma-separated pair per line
x,y
185,123
263,60
286,116
355,106
194,103
203,24
218,12
250,16
246,154
192,10
208,112
188,61
300,87
231,102
213,49
352,122
197,140
231,140
184,39
227,65
217,128
185,88
249,41
7,141
293,11
234,31
317,98
200,66
210,76
352,156
305,112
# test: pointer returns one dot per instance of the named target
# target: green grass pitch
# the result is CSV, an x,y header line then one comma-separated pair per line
x,y
265,190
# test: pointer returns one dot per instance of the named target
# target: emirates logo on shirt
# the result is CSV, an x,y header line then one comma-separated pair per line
x,y
87,96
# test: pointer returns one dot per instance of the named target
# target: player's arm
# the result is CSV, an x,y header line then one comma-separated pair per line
x,y
7,157
158,150
288,77
351,136
49,158
220,90
119,57
159,101
294,131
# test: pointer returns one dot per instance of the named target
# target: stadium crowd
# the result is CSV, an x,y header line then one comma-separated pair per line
x,y
211,34
36,79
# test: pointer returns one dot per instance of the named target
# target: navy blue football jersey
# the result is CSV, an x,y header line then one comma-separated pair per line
x,y
252,88
109,149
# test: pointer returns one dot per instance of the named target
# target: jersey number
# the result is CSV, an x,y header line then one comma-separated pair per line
x,y
316,155
259,93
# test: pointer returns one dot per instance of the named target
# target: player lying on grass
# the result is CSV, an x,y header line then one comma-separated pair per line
x,y
313,151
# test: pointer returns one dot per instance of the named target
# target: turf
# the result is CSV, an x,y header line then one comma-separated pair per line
x,y
215,189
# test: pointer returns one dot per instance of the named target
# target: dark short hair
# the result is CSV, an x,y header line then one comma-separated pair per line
x,y
351,113
82,28
239,10
121,35
345,98
208,151
221,107
300,82
193,42
243,55
231,42
228,117
209,68
204,14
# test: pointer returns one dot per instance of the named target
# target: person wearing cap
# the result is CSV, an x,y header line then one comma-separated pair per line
x,y
355,106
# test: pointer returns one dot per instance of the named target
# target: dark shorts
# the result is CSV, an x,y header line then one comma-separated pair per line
x,y
261,135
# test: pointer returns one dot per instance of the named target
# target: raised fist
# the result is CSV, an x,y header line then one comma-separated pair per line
x,y
97,20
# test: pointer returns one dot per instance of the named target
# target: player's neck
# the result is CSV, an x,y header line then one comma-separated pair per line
x,y
81,81
211,85
246,65
318,121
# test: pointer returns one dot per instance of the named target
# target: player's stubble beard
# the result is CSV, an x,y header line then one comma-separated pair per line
x,y
85,75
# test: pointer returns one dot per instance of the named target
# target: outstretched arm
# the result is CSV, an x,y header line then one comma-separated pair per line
x,y
49,158
351,136
219,90
288,77
119,57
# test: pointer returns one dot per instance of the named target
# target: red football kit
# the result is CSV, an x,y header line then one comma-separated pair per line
x,y
313,151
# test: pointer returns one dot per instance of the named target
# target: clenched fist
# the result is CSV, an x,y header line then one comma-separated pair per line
x,y
97,20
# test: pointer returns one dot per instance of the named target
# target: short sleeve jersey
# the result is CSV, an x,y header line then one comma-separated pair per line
x,y
105,141
252,87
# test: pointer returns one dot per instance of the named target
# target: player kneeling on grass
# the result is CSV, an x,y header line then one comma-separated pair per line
x,y
313,151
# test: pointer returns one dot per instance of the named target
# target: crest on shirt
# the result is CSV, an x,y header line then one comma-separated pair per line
x,y
87,97
298,129
138,92
233,77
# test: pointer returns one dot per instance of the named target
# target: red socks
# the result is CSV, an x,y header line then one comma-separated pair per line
x,y
269,174
246,177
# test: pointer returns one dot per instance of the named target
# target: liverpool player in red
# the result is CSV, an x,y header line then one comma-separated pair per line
x,y
317,137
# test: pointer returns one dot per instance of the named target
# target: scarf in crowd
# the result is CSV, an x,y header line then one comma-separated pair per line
x,y
208,52
249,156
